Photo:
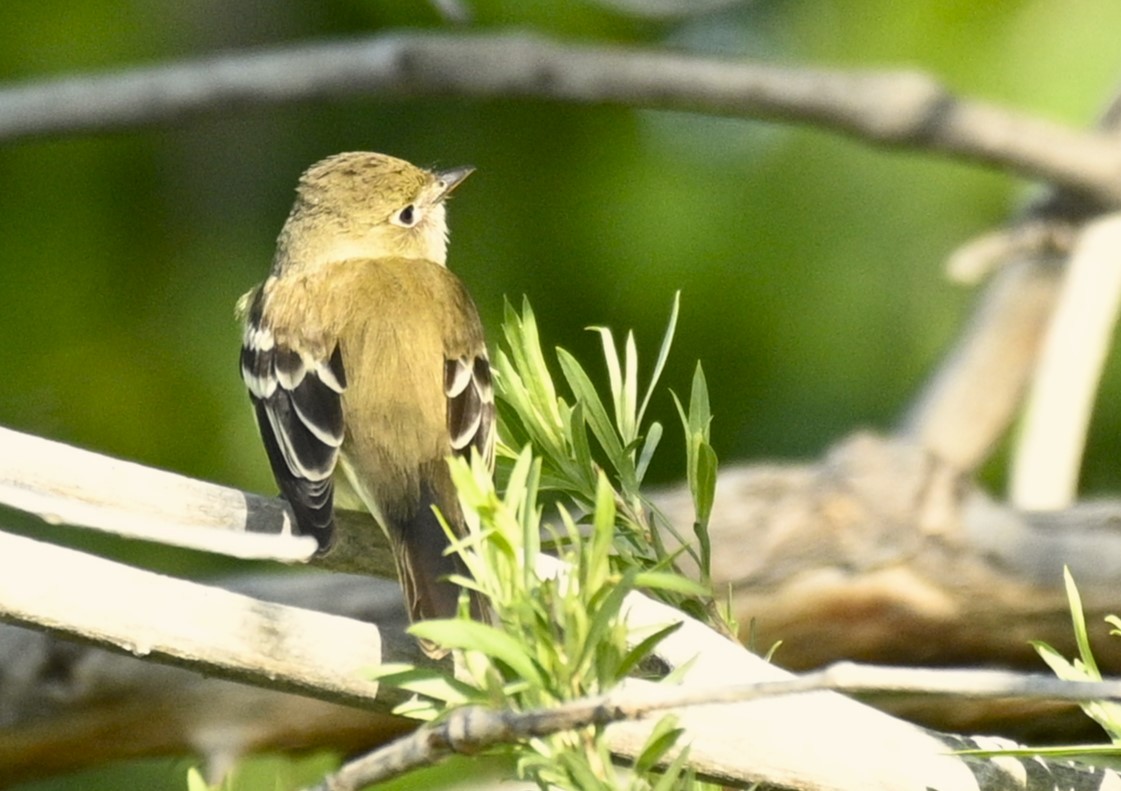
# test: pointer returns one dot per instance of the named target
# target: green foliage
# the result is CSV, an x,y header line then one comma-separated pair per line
x,y
1084,667
556,637
557,632
579,440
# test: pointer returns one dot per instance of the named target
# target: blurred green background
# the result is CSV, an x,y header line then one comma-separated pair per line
x,y
810,265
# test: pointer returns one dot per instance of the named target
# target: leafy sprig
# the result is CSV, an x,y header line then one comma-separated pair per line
x,y
573,463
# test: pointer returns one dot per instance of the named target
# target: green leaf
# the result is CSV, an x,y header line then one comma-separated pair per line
x,y
1078,619
584,469
1058,663
663,355
597,418
653,437
603,617
524,377
603,534
663,736
424,681
645,647
628,423
472,636
1115,622
700,416
668,581
624,419
417,708
704,480
672,776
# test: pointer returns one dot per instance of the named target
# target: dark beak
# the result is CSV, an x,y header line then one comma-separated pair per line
x,y
452,178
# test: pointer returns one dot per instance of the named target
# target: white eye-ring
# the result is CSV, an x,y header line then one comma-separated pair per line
x,y
406,217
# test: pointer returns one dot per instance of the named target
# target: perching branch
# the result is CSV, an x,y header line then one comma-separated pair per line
x,y
325,656
903,109
63,484
187,624
59,698
823,534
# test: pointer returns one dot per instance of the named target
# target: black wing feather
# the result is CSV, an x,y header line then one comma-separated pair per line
x,y
470,392
298,402
312,501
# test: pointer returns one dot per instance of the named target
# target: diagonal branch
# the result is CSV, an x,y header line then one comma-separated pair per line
x,y
904,109
472,729
183,623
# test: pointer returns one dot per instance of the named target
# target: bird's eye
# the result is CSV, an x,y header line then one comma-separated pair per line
x,y
406,217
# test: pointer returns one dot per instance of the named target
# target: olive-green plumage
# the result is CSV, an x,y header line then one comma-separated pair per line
x,y
362,348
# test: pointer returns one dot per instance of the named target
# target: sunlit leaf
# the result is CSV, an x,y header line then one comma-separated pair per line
x,y
663,355
486,639
645,647
662,738
423,681
653,437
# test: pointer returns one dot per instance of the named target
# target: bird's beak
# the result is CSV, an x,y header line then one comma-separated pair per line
x,y
452,178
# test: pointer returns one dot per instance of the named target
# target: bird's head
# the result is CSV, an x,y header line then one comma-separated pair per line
x,y
366,205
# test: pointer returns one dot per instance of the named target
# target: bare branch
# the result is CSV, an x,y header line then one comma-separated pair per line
x,y
289,649
66,706
186,624
903,109
63,484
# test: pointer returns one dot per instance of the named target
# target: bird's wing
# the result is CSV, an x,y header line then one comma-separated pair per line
x,y
470,392
298,400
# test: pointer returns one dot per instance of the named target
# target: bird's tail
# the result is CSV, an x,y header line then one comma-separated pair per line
x,y
420,547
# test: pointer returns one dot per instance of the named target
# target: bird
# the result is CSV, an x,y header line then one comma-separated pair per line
x,y
362,352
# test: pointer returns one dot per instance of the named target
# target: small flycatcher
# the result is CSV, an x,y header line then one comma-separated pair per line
x,y
361,348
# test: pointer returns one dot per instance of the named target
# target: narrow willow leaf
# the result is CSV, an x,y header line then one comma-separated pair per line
x,y
668,581
645,647
675,775
615,379
423,681
663,355
1078,619
417,708
584,469
653,437
662,737
525,346
531,514
486,639
605,615
1059,664
705,480
629,429
603,534
597,417
533,420
700,415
